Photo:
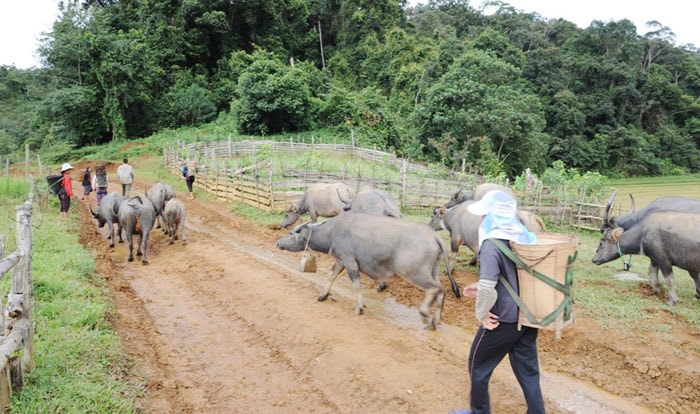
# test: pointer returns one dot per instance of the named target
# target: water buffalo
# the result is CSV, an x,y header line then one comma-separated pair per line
x,y
670,203
464,226
667,238
633,218
376,202
380,247
108,212
159,194
137,216
175,214
463,195
320,200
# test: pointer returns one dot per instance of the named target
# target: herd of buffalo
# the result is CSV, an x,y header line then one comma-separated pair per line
x,y
365,233
137,215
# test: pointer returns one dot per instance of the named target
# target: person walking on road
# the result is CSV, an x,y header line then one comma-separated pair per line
x,y
66,191
126,176
498,334
87,184
100,182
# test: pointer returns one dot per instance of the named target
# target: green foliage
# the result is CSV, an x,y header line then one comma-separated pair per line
x,y
438,82
273,98
191,105
567,182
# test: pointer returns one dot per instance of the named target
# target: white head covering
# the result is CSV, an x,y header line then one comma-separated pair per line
x,y
66,166
501,221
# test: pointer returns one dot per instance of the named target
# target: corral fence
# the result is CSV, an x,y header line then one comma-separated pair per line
x,y
16,338
259,185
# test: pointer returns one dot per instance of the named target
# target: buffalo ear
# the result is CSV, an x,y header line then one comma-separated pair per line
x,y
616,233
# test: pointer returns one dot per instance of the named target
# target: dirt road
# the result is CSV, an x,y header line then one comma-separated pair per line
x,y
227,324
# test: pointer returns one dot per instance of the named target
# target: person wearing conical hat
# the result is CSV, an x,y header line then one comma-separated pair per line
x,y
66,192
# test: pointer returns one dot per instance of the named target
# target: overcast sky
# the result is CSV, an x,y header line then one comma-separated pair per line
x,y
23,21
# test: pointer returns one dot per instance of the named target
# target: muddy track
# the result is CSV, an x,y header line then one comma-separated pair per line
x,y
228,324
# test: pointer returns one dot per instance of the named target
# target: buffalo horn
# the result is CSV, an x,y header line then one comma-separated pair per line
x,y
606,217
632,205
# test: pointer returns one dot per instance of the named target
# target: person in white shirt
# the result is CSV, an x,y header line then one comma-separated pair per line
x,y
126,176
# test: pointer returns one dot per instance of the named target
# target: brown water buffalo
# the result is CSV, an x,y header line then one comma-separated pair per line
x,y
175,214
380,247
320,200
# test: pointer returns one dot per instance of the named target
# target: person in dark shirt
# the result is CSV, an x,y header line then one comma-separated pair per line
x,y
498,334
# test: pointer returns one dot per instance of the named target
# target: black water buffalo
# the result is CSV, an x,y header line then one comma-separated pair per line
x,y
380,247
376,202
320,200
463,195
667,238
137,216
670,203
108,213
635,218
463,226
175,214
159,194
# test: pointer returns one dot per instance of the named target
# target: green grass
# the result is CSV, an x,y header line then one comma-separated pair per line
x,y
79,365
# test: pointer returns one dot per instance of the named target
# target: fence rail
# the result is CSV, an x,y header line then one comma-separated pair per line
x,y
17,331
258,185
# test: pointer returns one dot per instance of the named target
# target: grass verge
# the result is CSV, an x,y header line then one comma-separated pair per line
x,y
79,364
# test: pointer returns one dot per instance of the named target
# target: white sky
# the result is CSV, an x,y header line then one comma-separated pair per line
x,y
22,21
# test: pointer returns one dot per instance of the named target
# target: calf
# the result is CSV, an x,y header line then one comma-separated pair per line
x,y
175,215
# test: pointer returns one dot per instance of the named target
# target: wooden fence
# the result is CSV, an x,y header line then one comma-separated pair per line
x,y
260,186
16,338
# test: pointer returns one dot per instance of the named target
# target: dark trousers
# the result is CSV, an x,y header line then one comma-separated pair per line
x,y
488,350
190,181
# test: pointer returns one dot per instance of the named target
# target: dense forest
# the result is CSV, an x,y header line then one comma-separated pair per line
x,y
442,82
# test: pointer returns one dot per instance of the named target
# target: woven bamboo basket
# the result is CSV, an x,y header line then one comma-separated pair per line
x,y
550,256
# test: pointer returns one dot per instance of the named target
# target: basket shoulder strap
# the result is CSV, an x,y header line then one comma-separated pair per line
x,y
519,262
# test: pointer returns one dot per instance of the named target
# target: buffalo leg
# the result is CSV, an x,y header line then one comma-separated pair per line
x,y
672,292
654,279
355,279
432,295
144,237
335,271
696,279
110,226
130,240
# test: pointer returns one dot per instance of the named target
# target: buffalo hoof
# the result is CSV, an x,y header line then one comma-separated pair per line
x,y
111,245
121,241
360,310
144,262
130,259
170,242
184,242
322,297
381,287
